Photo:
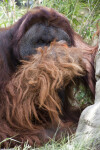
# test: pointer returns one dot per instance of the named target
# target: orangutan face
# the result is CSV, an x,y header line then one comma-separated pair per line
x,y
40,35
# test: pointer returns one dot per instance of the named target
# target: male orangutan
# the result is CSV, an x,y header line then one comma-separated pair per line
x,y
41,57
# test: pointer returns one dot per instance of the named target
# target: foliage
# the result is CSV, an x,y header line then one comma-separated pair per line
x,y
83,96
82,14
9,13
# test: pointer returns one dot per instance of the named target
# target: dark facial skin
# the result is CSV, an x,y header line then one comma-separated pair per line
x,y
40,35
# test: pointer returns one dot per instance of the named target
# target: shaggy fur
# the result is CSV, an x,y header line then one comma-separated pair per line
x,y
36,93
10,41
31,99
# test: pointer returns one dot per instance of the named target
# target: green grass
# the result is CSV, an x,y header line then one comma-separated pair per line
x,y
69,143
